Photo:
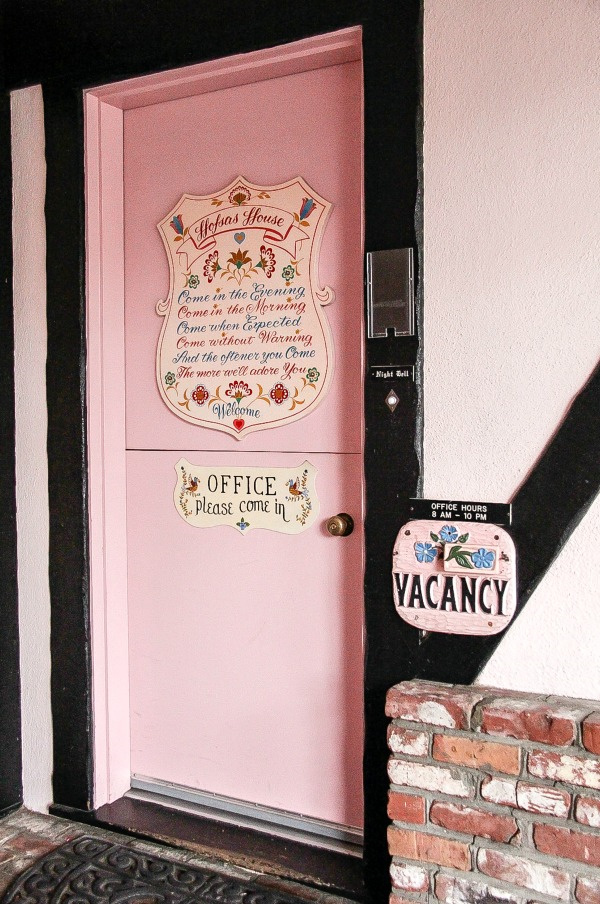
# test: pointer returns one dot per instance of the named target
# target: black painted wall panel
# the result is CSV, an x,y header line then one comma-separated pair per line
x,y
67,469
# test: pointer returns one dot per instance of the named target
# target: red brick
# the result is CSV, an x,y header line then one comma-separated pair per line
x,y
420,846
526,873
454,890
409,877
432,704
499,791
560,842
543,799
476,753
471,821
24,843
430,778
587,891
403,740
564,768
587,811
591,733
531,720
406,807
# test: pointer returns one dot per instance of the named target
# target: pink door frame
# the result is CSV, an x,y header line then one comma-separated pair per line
x,y
104,109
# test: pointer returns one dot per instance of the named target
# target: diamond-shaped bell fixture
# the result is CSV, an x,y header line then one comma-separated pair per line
x,y
391,400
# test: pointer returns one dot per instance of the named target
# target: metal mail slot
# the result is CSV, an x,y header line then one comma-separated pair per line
x,y
390,293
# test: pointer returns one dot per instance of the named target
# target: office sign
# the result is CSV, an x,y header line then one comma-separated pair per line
x,y
280,499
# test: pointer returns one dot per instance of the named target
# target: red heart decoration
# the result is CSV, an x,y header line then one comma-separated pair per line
x,y
238,423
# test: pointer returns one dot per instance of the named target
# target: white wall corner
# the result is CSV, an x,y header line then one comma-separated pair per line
x,y
29,285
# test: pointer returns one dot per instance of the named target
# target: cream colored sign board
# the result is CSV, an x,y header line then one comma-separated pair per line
x,y
279,499
245,344
455,577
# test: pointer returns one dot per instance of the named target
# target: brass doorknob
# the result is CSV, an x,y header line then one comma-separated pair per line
x,y
340,525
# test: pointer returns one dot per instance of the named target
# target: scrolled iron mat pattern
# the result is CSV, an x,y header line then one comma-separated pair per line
x,y
100,872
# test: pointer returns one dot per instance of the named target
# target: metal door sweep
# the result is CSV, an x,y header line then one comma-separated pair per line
x,y
294,826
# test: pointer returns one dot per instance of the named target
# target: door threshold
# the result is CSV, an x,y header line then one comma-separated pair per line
x,y
281,823
261,851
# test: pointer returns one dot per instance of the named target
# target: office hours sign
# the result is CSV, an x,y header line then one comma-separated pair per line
x,y
245,344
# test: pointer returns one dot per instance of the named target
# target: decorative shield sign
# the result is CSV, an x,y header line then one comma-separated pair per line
x,y
455,577
245,344
280,499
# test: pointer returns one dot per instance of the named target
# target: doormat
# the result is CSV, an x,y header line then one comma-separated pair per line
x,y
100,872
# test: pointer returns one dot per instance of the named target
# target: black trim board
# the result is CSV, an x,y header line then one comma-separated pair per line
x,y
67,470
11,791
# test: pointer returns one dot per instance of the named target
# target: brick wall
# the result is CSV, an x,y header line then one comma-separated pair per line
x,y
494,796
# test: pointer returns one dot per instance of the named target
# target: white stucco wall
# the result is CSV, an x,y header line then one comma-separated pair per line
x,y
29,239
512,314
512,285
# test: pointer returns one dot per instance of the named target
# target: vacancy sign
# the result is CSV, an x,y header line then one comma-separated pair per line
x,y
455,577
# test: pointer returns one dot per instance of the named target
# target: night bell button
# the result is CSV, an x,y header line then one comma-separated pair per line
x,y
391,400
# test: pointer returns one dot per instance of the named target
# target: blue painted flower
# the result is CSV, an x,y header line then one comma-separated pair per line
x,y
243,524
308,205
177,224
425,552
483,558
448,534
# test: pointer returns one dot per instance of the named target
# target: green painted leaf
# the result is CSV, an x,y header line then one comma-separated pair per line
x,y
453,553
463,561
434,537
463,538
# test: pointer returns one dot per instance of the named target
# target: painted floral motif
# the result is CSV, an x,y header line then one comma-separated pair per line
x,y
466,558
288,273
239,195
192,280
312,375
238,390
177,224
279,393
200,395
307,207
483,558
189,489
448,534
267,261
211,266
425,552
298,492
242,524
239,265
170,378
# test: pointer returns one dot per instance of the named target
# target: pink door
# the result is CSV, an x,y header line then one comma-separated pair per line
x,y
246,649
